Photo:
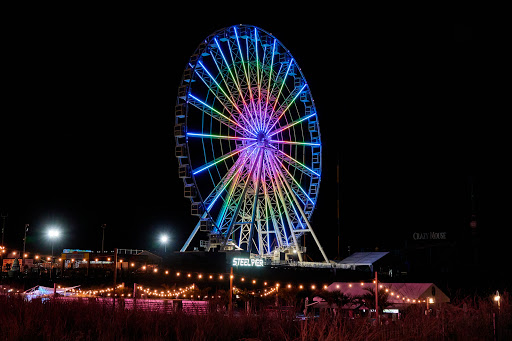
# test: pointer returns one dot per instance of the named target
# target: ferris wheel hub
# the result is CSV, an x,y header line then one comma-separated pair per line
x,y
262,139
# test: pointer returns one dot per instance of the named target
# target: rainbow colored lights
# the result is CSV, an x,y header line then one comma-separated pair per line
x,y
252,141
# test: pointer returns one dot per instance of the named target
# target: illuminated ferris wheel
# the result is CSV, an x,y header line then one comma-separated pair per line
x,y
248,145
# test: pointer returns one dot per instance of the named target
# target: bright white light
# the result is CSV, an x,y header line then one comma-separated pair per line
x,y
164,238
53,233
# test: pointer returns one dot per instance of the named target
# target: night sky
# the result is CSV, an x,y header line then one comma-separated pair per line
x,y
409,110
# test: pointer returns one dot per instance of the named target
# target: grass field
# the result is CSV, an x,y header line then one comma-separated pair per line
x,y
468,319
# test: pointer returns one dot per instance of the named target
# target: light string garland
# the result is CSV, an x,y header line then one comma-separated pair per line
x,y
264,291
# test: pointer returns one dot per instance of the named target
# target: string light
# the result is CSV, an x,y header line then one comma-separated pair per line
x,y
177,292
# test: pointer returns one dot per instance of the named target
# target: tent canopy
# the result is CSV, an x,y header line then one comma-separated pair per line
x,y
411,291
361,259
40,290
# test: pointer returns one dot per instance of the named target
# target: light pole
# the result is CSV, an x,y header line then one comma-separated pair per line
x,y
53,233
497,298
103,227
3,226
164,239
25,238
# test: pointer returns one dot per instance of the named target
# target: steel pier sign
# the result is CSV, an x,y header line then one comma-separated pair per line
x,y
247,262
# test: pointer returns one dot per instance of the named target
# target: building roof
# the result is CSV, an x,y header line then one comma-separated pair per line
x,y
362,258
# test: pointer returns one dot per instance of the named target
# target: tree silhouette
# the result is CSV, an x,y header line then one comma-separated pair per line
x,y
336,298
368,299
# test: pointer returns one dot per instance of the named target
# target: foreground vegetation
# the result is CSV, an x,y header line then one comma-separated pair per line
x,y
467,319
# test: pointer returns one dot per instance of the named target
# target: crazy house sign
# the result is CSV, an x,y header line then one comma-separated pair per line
x,y
429,235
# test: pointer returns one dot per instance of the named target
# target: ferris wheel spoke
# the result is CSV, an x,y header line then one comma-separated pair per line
x,y
297,184
285,106
227,202
286,206
221,158
242,196
268,207
224,182
270,76
293,205
290,179
234,78
230,95
255,202
246,73
279,165
221,137
293,162
279,231
258,80
234,185
214,113
283,82
210,82
290,63
289,125
296,143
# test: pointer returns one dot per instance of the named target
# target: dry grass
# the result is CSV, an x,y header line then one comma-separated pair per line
x,y
469,319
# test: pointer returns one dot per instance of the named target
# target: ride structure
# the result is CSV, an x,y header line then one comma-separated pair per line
x,y
248,146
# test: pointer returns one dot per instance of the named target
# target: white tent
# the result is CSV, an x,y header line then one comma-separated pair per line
x,y
399,294
41,291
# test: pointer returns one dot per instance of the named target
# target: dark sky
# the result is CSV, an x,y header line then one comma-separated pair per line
x,y
410,109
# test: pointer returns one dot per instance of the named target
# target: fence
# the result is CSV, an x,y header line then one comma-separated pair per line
x,y
163,305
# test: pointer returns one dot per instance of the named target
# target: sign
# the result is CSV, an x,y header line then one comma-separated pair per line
x,y
390,311
75,250
429,235
247,262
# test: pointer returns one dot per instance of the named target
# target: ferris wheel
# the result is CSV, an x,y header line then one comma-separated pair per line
x,y
248,145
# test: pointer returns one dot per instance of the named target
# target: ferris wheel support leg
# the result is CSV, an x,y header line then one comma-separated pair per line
x,y
185,246
260,235
268,208
283,201
280,233
255,205
292,194
239,204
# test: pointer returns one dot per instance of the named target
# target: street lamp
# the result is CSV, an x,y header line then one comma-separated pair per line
x,y
53,233
164,239
497,298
